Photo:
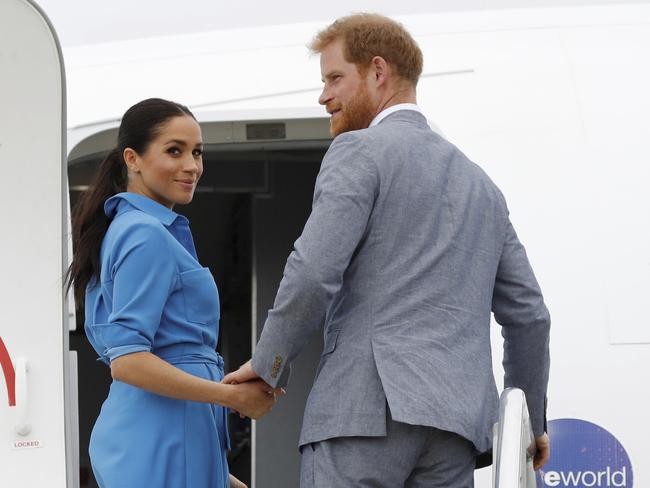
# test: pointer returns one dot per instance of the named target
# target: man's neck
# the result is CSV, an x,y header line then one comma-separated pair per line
x,y
395,98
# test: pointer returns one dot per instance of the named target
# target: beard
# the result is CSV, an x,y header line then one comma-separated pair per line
x,y
355,114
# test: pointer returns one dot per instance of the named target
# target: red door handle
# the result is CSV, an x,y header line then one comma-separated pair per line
x,y
9,372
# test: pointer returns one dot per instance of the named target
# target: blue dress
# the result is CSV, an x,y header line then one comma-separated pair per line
x,y
153,295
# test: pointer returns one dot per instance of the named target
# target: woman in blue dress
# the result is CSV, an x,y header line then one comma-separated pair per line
x,y
152,312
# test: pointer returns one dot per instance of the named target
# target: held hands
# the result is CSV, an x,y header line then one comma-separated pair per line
x,y
251,397
543,451
243,374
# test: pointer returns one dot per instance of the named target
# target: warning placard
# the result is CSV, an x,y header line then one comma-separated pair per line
x,y
23,444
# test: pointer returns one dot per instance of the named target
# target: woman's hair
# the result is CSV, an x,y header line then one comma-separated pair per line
x,y
367,35
140,125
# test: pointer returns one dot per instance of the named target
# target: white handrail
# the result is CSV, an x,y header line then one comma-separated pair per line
x,y
514,443
22,425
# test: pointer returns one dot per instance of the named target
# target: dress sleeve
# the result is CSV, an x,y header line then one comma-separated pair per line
x,y
142,275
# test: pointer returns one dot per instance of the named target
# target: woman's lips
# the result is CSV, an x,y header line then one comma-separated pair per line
x,y
186,184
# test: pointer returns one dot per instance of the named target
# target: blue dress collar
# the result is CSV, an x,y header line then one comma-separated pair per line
x,y
114,205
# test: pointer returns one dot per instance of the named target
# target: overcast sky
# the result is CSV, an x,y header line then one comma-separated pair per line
x,y
80,22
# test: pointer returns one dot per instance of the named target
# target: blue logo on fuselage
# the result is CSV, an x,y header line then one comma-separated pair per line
x,y
584,455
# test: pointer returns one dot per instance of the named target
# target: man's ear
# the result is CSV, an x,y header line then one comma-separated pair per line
x,y
132,160
380,69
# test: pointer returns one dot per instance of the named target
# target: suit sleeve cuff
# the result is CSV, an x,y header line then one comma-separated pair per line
x,y
272,368
539,425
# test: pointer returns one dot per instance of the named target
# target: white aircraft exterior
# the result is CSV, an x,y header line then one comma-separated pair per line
x,y
551,102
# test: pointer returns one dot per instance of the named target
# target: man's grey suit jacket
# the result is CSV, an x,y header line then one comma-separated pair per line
x,y
407,251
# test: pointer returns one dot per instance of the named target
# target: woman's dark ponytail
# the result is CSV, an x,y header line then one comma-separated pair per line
x,y
89,223
139,127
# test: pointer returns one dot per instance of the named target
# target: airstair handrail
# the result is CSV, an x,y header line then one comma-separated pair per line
x,y
514,443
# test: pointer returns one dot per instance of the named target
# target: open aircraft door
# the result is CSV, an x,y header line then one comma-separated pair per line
x,y
35,427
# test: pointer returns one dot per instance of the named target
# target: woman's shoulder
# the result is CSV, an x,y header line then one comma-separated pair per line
x,y
138,242
136,228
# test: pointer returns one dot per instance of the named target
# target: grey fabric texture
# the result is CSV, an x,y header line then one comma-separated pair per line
x,y
410,456
407,251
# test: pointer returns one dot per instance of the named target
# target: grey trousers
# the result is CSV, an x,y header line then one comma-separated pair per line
x,y
409,456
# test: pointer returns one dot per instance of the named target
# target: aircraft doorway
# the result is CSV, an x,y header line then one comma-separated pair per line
x,y
249,208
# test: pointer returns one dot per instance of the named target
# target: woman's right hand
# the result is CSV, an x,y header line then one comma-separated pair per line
x,y
253,398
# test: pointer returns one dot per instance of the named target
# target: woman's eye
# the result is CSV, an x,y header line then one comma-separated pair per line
x,y
174,151
197,152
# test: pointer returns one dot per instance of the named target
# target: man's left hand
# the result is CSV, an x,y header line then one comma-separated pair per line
x,y
543,453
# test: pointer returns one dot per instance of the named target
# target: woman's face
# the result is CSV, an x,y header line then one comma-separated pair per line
x,y
170,168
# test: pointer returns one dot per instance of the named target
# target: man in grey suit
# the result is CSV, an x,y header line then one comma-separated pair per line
x,y
407,251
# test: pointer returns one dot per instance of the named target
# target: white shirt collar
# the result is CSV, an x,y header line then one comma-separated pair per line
x,y
393,108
